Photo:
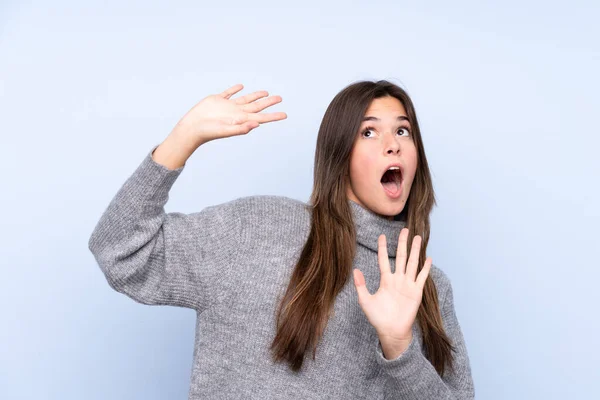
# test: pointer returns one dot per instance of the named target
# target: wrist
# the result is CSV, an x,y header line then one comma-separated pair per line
x,y
393,348
184,138
174,151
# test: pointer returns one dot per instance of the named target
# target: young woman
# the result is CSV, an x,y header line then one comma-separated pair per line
x,y
278,316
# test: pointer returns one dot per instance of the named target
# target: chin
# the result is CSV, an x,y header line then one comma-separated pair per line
x,y
393,212
383,206
388,210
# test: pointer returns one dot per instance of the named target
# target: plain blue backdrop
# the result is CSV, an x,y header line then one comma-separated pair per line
x,y
507,99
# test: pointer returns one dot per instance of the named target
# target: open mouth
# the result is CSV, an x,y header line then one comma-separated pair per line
x,y
392,180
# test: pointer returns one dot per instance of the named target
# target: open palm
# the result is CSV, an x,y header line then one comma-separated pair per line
x,y
393,308
219,116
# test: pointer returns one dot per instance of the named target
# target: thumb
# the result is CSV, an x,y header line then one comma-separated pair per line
x,y
240,129
361,287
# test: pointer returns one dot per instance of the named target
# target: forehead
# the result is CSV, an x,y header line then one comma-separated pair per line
x,y
386,106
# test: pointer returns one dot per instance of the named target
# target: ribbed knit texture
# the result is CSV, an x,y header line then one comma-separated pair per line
x,y
232,263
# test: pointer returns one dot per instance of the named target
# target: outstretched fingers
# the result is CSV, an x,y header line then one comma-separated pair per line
x,y
227,93
361,287
249,98
269,117
401,251
254,108
260,105
413,261
382,256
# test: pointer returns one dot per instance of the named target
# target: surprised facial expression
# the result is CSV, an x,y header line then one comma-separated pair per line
x,y
383,161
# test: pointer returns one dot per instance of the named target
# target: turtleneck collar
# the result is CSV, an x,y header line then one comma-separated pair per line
x,y
370,225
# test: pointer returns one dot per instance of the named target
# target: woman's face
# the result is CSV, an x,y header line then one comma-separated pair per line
x,y
384,138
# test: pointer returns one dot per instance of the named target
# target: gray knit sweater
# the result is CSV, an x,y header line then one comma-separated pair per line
x,y
231,263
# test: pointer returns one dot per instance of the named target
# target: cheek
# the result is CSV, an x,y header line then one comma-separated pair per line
x,y
411,164
362,168
410,169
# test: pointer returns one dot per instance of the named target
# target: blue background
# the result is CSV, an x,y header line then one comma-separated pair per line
x,y
507,98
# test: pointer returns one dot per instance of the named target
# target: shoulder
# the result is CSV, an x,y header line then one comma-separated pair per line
x,y
261,202
257,209
268,218
270,203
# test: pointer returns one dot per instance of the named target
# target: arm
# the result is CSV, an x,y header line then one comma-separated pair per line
x,y
168,259
157,258
412,376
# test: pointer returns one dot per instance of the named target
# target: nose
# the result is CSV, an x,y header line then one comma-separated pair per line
x,y
391,144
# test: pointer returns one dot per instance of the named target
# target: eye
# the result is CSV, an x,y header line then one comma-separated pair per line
x,y
367,130
404,129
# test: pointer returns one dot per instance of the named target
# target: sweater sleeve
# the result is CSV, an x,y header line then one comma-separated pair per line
x,y
159,258
412,376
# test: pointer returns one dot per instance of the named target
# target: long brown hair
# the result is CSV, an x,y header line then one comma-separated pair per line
x,y
325,263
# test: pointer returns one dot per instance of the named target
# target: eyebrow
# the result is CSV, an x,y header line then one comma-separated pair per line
x,y
400,118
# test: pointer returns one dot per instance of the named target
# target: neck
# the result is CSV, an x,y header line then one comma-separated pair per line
x,y
370,225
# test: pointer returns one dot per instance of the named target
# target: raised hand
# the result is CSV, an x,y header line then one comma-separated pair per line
x,y
393,308
218,115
